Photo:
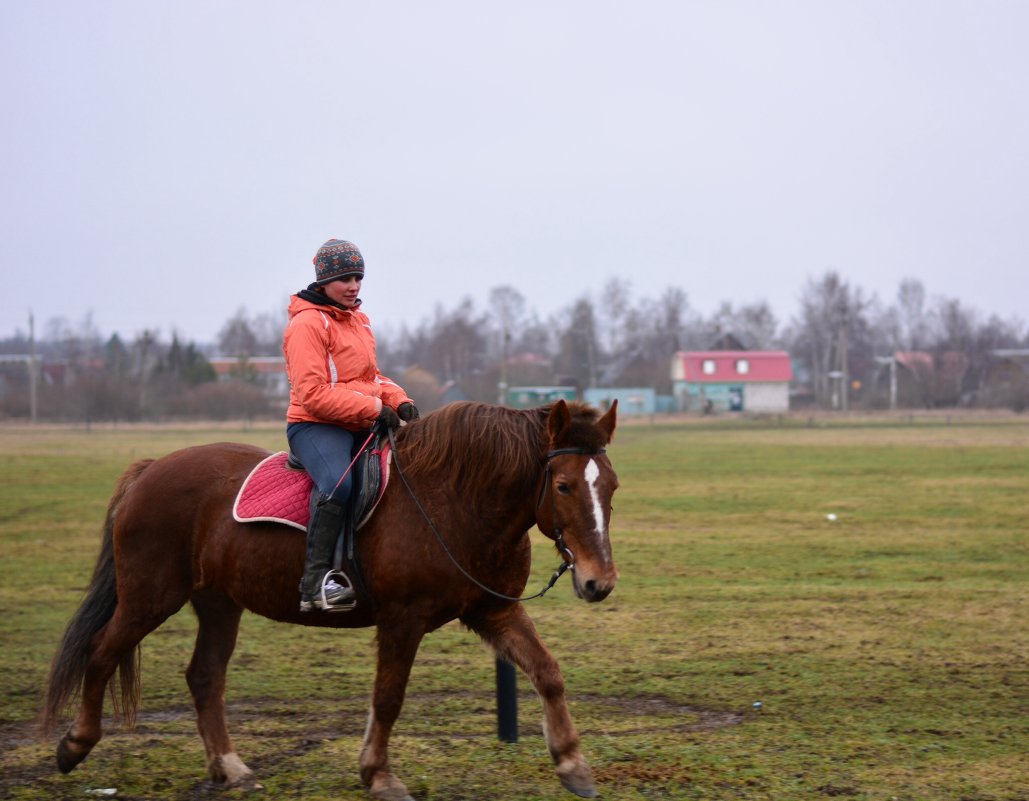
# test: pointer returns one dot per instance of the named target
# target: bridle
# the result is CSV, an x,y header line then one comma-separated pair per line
x,y
568,558
558,530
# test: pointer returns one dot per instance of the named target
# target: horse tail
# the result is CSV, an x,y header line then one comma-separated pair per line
x,y
72,658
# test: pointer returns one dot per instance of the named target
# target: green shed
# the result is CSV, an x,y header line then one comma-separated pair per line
x,y
531,397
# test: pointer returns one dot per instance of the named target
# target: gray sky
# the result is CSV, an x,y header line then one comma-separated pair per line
x,y
165,163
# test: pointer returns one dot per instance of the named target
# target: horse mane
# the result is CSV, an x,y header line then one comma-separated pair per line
x,y
492,445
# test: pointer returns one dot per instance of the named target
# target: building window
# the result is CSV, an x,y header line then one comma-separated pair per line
x,y
742,366
708,366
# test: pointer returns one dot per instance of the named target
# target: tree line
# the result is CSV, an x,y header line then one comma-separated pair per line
x,y
841,341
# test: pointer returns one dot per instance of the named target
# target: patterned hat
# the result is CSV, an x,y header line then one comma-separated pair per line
x,y
337,258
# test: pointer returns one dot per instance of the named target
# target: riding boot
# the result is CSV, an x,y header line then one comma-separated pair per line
x,y
327,517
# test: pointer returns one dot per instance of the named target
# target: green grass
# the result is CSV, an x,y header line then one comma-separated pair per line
x,y
887,649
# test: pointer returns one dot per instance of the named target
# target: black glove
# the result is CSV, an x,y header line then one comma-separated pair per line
x,y
388,419
407,411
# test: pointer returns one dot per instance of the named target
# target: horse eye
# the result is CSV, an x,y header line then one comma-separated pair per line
x,y
564,489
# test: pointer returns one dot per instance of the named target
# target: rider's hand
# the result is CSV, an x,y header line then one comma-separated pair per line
x,y
388,419
407,411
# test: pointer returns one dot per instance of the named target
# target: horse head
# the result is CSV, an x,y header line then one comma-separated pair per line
x,y
574,506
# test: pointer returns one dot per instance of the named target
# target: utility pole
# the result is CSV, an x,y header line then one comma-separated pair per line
x,y
33,378
591,350
502,385
145,341
845,377
843,369
893,382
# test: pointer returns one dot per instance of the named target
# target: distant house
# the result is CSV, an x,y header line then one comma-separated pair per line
x,y
1006,382
732,380
926,379
428,391
268,372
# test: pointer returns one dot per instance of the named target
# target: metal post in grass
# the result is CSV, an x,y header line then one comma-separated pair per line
x,y
507,702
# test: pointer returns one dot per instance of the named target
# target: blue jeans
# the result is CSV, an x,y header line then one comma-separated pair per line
x,y
326,451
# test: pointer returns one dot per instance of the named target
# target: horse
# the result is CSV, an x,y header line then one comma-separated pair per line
x,y
448,542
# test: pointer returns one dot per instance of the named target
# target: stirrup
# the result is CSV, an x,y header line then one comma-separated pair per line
x,y
321,600
343,580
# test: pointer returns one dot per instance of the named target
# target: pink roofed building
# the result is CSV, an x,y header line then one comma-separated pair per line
x,y
732,380
268,372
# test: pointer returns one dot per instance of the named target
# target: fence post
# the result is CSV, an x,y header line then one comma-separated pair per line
x,y
507,702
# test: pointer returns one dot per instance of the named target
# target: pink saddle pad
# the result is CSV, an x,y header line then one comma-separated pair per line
x,y
275,493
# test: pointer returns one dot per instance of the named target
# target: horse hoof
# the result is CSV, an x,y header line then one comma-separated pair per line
x,y
391,795
583,791
389,788
245,785
577,778
229,771
69,755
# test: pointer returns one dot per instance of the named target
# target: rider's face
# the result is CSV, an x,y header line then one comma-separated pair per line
x,y
344,291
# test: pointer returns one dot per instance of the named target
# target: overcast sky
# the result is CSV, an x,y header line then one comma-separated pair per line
x,y
166,163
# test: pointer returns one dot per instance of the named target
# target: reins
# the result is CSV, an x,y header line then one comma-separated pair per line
x,y
362,449
558,539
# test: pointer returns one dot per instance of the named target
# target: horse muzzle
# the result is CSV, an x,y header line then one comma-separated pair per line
x,y
593,586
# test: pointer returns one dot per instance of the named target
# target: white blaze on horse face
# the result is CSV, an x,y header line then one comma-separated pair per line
x,y
592,474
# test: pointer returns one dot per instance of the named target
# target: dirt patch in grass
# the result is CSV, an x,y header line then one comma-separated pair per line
x,y
289,735
348,718
660,714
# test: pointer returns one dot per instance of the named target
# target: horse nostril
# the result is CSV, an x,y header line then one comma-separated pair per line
x,y
593,591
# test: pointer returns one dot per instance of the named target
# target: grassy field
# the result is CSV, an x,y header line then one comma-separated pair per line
x,y
887,649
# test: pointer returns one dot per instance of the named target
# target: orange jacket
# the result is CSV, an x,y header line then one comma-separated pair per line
x,y
330,362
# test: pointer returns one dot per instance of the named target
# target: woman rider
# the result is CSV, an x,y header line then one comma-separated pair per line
x,y
336,392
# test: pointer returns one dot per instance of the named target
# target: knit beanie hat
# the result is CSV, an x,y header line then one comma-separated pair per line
x,y
337,258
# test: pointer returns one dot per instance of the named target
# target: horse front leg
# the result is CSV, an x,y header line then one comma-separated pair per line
x,y
512,634
398,643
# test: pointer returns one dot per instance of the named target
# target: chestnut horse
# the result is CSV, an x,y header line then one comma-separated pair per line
x,y
451,544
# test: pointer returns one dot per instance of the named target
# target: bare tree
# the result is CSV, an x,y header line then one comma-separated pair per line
x,y
123,402
579,352
508,305
621,324
144,350
453,346
914,315
755,326
267,329
237,337
831,325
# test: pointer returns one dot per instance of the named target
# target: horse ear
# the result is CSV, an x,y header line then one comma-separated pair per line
x,y
607,422
558,422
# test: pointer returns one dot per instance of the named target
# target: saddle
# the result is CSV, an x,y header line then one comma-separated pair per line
x,y
278,489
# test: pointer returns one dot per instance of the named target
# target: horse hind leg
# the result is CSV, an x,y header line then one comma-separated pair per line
x,y
514,637
218,619
114,646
